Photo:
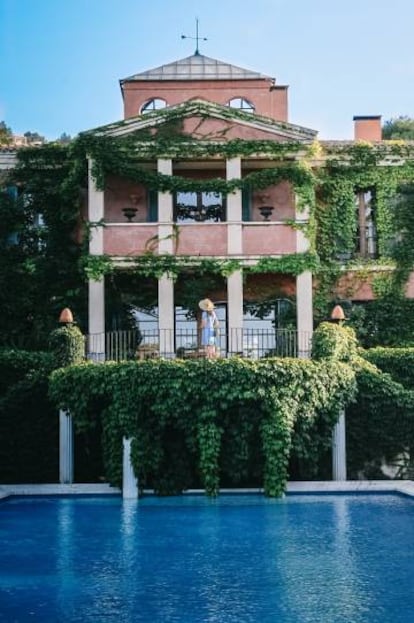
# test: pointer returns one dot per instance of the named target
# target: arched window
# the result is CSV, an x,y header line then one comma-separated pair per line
x,y
241,104
155,103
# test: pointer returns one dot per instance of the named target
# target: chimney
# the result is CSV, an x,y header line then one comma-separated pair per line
x,y
367,128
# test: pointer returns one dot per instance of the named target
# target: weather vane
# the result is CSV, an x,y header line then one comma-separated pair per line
x,y
196,38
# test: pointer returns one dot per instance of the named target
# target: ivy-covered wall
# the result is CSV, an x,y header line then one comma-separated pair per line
x,y
207,422
380,424
49,265
211,423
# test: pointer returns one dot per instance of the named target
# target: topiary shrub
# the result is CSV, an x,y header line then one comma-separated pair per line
x,y
67,345
334,341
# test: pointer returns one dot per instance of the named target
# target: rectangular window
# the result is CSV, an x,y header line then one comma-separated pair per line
x,y
366,234
190,207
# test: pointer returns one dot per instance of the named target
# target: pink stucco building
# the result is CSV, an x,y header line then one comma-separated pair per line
x,y
215,103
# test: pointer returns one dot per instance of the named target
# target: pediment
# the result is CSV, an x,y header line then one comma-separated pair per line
x,y
208,121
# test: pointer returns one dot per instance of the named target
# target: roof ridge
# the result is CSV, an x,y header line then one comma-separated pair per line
x,y
197,67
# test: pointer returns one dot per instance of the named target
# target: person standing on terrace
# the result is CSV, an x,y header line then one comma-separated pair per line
x,y
209,328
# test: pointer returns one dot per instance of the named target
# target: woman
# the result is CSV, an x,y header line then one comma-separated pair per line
x,y
209,327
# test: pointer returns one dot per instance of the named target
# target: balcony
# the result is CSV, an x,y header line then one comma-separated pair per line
x,y
247,343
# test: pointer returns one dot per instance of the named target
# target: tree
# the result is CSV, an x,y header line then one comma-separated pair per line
x,y
64,139
6,134
39,249
34,138
399,128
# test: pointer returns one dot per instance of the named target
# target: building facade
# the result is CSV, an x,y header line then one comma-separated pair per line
x,y
214,104
205,189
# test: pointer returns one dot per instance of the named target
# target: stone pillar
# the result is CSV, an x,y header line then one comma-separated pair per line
x,y
234,210
129,480
304,302
235,311
234,248
65,448
96,312
166,316
304,313
165,212
96,302
339,449
165,284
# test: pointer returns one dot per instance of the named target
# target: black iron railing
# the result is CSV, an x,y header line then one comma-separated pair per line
x,y
247,343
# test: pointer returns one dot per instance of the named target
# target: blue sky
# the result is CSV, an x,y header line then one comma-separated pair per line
x,y
60,60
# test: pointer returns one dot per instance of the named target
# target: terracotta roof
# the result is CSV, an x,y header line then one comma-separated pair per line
x,y
197,67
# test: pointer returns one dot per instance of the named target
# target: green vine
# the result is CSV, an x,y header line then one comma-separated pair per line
x,y
155,266
181,415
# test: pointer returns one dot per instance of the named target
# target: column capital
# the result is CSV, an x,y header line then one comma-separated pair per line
x,y
233,168
164,166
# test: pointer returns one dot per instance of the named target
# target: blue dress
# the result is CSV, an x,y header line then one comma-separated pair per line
x,y
208,331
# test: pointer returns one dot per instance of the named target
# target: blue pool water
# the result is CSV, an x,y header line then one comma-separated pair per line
x,y
236,559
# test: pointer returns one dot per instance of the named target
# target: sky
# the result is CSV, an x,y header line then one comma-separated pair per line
x,y
61,60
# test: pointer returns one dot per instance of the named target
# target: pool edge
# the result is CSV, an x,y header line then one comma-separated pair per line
x,y
402,487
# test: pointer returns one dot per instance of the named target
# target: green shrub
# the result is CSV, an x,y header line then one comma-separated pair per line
x,y
206,419
29,428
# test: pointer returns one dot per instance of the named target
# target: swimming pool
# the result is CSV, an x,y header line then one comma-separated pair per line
x,y
302,559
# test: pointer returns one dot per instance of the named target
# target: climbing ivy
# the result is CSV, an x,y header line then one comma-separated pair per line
x,y
380,424
181,414
324,177
150,265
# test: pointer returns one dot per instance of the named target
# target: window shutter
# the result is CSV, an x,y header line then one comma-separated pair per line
x,y
152,206
246,200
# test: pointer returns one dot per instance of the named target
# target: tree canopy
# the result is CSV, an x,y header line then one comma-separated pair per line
x,y
401,127
5,133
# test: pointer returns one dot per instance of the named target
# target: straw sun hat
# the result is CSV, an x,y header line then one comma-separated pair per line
x,y
206,305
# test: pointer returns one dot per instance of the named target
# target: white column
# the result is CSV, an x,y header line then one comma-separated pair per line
x,y
96,313
235,311
65,448
166,315
129,480
95,214
96,301
304,313
339,449
234,247
234,210
165,284
165,211
304,293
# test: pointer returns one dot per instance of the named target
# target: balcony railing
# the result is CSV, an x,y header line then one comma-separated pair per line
x,y
247,343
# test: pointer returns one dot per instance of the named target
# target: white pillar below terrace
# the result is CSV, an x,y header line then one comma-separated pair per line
x,y
166,316
129,480
66,450
235,311
339,449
